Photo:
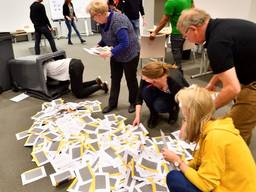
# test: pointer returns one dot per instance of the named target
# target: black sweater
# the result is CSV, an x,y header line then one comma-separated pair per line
x,y
175,81
38,15
66,10
132,8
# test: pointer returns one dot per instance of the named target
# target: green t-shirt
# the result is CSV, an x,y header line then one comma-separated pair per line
x,y
173,8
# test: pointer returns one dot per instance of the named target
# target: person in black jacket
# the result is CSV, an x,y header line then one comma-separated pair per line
x,y
42,25
132,9
158,87
70,16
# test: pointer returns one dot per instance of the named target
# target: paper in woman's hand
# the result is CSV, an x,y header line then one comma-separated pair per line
x,y
97,50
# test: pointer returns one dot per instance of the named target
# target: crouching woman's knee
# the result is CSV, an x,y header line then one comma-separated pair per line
x,y
172,179
77,94
177,182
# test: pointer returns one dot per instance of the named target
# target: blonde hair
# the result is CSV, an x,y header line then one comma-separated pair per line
x,y
199,106
193,16
156,69
97,7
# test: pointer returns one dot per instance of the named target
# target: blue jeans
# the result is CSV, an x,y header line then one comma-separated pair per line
x,y
71,24
177,182
136,26
157,100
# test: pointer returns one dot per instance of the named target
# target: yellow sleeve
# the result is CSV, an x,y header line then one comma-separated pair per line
x,y
192,163
208,176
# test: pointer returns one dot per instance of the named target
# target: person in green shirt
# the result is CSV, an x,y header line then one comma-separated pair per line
x,y
172,11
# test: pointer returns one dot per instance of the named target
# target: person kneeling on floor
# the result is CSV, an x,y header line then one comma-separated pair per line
x,y
160,82
72,69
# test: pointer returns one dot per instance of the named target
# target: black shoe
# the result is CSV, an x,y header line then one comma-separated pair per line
x,y
132,108
104,86
152,121
70,43
82,41
173,116
98,80
107,109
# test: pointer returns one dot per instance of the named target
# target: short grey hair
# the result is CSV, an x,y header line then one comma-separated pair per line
x,y
194,16
97,7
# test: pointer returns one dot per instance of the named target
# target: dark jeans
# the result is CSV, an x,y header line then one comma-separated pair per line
x,y
71,24
48,35
177,42
158,101
130,70
177,182
78,88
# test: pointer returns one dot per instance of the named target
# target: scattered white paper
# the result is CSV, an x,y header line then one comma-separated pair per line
x,y
101,154
33,175
19,97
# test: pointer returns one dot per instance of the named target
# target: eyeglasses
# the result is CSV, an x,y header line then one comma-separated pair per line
x,y
94,16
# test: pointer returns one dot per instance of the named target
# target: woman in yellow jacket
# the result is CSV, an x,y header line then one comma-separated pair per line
x,y
223,162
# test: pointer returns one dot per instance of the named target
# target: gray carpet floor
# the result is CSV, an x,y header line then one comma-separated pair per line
x,y
15,117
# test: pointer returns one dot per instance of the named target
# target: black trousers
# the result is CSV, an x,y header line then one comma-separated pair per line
x,y
79,88
130,70
159,101
48,35
177,42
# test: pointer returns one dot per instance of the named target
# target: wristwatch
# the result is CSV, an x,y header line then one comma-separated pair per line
x,y
177,163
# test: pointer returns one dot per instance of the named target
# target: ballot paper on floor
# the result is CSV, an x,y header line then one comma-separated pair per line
x,y
100,154
60,177
84,174
102,182
40,157
22,135
33,175
19,97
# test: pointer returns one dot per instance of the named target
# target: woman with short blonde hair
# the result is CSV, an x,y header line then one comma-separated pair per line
x,y
97,7
222,162
117,33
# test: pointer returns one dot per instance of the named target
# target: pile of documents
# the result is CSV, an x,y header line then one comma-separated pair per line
x,y
96,154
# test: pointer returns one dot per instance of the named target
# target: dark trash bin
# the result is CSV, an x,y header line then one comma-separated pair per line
x,y
6,53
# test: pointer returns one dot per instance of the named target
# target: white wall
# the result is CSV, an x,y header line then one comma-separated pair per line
x,y
14,14
252,15
226,8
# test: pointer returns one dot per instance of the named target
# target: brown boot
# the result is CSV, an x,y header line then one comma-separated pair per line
x,y
98,80
104,86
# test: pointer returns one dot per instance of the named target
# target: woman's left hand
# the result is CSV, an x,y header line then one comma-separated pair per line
x,y
169,155
105,54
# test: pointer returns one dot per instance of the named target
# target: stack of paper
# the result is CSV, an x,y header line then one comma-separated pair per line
x,y
96,154
97,50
